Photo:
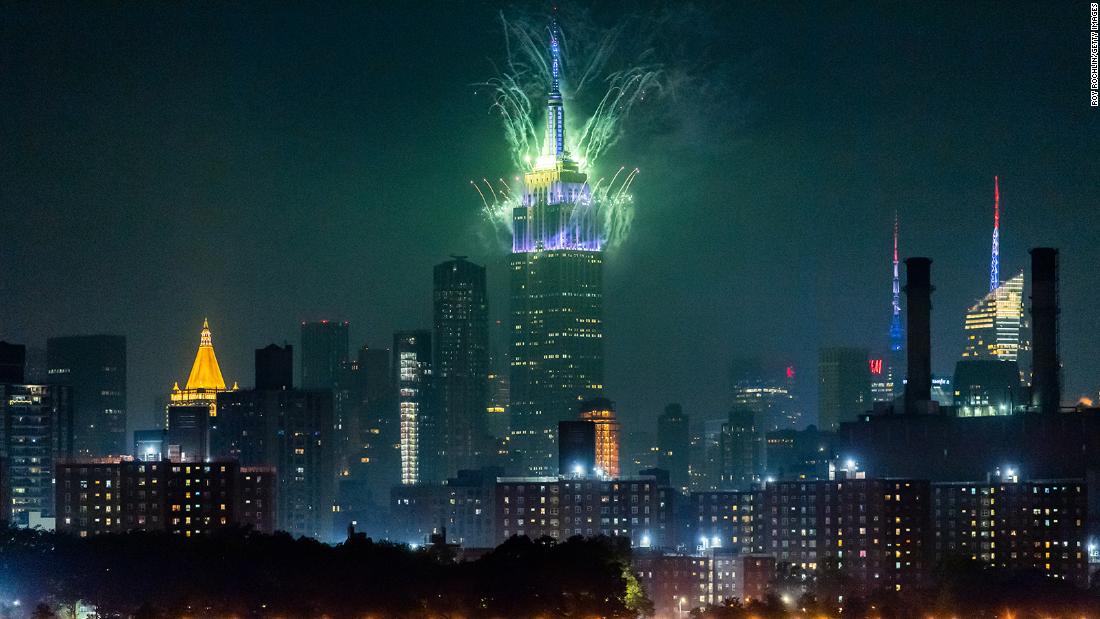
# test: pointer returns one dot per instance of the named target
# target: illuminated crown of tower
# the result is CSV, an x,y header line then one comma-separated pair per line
x,y
995,261
554,144
205,373
897,334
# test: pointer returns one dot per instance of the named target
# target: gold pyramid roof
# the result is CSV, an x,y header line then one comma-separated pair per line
x,y
205,373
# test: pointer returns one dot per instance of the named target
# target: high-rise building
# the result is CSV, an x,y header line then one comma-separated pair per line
x,y
274,367
984,387
741,446
556,292
993,325
769,395
95,367
674,444
845,386
205,381
13,363
461,361
601,412
36,432
290,430
412,366
324,348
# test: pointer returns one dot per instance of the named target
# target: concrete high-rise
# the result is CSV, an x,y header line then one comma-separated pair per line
x,y
95,367
556,292
461,362
13,363
274,367
844,386
324,347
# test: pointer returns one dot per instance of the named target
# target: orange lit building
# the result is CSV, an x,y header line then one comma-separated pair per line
x,y
601,412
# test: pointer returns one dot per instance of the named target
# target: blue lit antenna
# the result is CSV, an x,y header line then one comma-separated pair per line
x,y
555,108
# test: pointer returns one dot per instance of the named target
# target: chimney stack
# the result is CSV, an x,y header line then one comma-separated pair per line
x,y
918,297
1046,393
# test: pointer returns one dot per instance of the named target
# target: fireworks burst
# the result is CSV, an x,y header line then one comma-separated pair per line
x,y
599,93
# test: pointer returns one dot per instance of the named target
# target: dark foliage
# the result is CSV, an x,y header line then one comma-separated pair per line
x,y
246,574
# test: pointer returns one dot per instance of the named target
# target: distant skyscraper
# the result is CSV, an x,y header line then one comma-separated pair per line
x,y
557,293
36,430
674,443
324,348
994,324
742,451
769,394
412,365
461,361
274,367
95,367
844,391
601,412
290,430
205,381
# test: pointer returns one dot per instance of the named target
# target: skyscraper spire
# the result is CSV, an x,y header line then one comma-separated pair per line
x,y
897,337
555,109
995,266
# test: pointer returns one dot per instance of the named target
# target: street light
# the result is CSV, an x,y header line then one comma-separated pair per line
x,y
680,606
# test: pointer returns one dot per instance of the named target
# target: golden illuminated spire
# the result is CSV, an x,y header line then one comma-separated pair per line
x,y
205,373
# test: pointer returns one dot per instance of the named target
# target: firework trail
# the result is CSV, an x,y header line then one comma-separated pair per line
x,y
608,73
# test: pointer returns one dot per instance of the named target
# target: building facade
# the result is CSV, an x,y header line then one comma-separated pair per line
x,y
461,361
416,406
324,347
114,495
37,426
94,366
556,293
845,386
601,413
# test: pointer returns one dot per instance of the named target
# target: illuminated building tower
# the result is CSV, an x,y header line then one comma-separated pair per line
x,y
601,412
205,381
895,361
461,361
95,367
994,323
324,348
995,261
412,365
556,293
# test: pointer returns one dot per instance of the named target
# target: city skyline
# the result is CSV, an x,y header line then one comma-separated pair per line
x,y
157,285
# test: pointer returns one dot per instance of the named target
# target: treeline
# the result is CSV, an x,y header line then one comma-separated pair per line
x,y
246,574
959,588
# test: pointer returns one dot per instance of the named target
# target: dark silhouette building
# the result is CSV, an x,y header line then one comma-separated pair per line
x,y
324,348
275,367
576,447
13,362
674,445
94,366
461,361
845,386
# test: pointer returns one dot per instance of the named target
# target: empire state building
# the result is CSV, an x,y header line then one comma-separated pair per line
x,y
556,293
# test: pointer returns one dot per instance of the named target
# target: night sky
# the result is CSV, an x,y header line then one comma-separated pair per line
x,y
264,165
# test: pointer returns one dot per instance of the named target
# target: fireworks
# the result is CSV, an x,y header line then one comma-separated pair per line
x,y
600,95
